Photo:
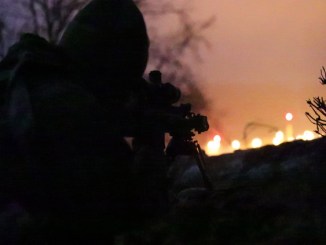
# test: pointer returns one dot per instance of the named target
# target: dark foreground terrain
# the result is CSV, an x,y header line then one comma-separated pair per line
x,y
271,195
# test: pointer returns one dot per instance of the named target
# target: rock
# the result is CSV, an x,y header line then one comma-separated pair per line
x,y
271,195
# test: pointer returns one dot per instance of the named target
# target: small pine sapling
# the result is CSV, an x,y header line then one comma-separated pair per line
x,y
318,106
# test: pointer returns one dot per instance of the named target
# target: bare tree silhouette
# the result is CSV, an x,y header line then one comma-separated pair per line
x,y
169,52
48,18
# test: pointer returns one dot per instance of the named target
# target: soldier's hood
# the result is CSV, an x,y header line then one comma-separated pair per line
x,y
108,35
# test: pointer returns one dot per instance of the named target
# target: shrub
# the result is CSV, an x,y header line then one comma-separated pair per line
x,y
318,106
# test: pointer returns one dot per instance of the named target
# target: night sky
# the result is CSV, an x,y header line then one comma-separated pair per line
x,y
264,60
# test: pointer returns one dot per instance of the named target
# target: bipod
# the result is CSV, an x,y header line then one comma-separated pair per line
x,y
199,156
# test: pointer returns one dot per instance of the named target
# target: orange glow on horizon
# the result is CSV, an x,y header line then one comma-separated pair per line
x,y
265,58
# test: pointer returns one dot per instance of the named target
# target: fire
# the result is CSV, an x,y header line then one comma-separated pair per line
x,y
256,143
213,146
279,138
236,144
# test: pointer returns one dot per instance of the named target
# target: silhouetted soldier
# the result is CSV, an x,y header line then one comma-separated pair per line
x,y
108,40
69,107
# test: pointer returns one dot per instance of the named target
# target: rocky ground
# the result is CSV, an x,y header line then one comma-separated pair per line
x,y
271,195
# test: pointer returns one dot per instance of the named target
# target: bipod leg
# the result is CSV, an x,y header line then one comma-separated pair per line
x,y
198,155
